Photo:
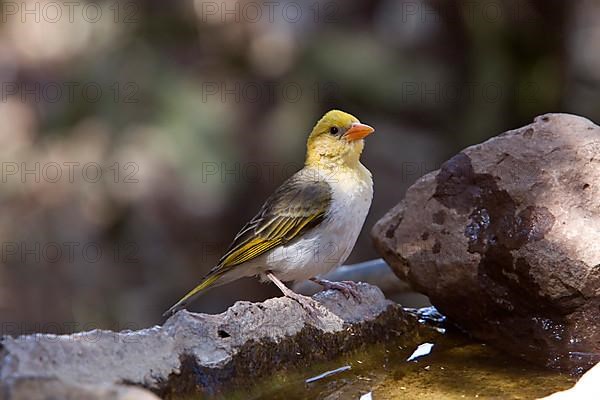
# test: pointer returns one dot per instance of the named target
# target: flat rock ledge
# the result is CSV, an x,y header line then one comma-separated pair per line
x,y
198,353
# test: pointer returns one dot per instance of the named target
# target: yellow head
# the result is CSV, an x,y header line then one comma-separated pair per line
x,y
336,140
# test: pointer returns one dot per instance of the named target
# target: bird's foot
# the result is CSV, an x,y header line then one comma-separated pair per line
x,y
348,288
311,306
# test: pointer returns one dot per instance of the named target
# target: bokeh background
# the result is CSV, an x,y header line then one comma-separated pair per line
x,y
136,138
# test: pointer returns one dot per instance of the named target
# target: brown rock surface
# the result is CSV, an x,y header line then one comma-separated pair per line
x,y
505,240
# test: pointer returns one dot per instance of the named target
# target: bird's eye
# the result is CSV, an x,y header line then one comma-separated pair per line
x,y
334,130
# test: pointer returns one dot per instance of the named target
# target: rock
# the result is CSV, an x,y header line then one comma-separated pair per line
x,y
194,353
587,388
50,389
505,241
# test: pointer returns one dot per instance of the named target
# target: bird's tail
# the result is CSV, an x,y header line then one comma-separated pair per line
x,y
205,284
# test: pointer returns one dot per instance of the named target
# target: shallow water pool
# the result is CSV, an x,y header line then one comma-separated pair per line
x,y
456,368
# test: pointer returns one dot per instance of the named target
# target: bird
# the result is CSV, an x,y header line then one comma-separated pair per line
x,y
310,224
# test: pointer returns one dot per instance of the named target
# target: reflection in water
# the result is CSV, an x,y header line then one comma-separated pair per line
x,y
421,351
328,373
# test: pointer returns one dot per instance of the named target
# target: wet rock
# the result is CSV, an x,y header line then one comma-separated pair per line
x,y
504,240
194,353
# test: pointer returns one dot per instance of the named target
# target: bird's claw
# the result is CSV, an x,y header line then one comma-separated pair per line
x,y
348,288
312,307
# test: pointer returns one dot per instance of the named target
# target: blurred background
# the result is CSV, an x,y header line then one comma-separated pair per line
x,y
136,138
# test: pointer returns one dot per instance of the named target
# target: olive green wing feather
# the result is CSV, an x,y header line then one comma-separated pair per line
x,y
298,205
293,209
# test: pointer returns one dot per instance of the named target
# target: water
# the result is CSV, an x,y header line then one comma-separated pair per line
x,y
456,368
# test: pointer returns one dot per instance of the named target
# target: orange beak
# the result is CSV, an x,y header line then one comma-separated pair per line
x,y
358,131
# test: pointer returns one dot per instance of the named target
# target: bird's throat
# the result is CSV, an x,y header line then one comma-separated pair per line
x,y
332,160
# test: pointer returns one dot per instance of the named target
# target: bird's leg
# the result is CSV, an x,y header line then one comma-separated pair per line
x,y
310,305
348,288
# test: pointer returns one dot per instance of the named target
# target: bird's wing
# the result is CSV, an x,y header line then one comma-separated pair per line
x,y
298,205
295,207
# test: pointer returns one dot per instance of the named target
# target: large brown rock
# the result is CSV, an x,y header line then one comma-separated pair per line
x,y
505,240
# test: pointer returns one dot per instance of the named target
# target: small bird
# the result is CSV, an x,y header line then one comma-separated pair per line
x,y
310,224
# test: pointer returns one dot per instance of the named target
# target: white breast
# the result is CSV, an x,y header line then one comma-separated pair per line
x,y
330,243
